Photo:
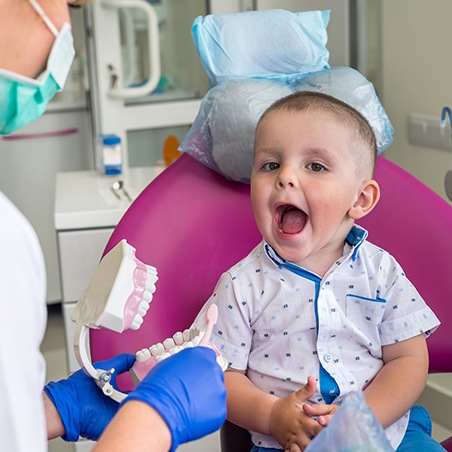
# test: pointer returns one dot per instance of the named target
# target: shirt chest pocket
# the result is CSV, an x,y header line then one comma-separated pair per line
x,y
364,312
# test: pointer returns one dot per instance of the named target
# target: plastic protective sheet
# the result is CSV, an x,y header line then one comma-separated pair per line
x,y
271,44
222,135
354,428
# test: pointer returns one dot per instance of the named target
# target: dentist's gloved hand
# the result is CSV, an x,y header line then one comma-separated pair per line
x,y
84,409
188,392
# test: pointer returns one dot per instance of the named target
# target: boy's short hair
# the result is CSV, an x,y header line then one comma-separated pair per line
x,y
316,101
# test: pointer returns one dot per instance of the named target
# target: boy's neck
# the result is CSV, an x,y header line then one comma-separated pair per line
x,y
320,264
322,261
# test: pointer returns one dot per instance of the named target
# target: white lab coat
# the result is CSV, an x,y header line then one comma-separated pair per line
x,y
22,326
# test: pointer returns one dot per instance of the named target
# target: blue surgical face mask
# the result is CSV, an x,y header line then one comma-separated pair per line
x,y
23,99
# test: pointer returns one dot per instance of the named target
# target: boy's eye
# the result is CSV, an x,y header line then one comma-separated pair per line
x,y
270,166
316,167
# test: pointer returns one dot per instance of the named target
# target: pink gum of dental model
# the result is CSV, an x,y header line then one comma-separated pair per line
x,y
140,293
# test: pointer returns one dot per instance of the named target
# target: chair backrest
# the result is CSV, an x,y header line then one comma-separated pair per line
x,y
193,224
414,224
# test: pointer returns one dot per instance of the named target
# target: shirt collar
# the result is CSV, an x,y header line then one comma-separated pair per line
x,y
354,239
273,255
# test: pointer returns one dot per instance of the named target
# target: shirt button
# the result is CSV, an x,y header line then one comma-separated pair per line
x,y
327,357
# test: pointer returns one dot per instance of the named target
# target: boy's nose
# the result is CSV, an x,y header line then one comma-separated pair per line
x,y
286,178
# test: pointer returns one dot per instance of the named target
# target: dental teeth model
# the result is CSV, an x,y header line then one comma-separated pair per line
x,y
147,358
117,298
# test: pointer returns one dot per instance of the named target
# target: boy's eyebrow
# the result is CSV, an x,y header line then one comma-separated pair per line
x,y
320,153
265,148
309,153
266,151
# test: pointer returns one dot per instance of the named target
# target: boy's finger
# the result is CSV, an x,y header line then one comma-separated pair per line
x,y
307,391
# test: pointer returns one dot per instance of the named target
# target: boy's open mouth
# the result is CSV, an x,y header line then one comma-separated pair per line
x,y
290,219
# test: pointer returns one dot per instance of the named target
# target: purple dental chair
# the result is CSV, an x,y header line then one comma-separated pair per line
x,y
193,224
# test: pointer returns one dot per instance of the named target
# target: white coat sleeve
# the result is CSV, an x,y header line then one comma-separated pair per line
x,y
22,327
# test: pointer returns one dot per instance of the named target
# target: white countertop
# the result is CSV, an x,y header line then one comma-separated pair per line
x,y
85,199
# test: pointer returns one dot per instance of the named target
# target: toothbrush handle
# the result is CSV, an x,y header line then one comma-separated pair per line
x,y
211,318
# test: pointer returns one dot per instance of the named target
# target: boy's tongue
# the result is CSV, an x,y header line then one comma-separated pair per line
x,y
293,221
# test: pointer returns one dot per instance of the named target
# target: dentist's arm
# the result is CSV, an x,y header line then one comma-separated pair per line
x,y
186,392
77,407
55,427
182,398
137,427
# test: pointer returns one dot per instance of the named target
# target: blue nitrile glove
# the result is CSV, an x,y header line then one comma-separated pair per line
x,y
188,391
84,409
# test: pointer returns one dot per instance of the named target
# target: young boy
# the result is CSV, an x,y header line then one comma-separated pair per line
x,y
315,311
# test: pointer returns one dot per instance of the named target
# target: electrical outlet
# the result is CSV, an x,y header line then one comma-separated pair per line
x,y
427,132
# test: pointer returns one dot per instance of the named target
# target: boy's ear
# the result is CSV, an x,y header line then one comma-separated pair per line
x,y
366,201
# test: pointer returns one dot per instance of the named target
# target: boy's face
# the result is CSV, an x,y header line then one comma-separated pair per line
x,y
304,184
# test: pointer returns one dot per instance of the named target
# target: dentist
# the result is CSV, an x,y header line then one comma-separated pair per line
x,y
183,398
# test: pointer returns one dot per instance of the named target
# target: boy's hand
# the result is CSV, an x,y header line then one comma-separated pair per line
x,y
289,424
322,411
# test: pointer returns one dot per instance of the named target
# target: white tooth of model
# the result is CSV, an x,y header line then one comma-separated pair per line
x,y
117,298
178,338
157,349
169,343
144,307
137,322
176,349
162,356
194,332
186,335
143,355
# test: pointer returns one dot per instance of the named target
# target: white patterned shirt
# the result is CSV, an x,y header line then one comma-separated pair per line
x,y
279,321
